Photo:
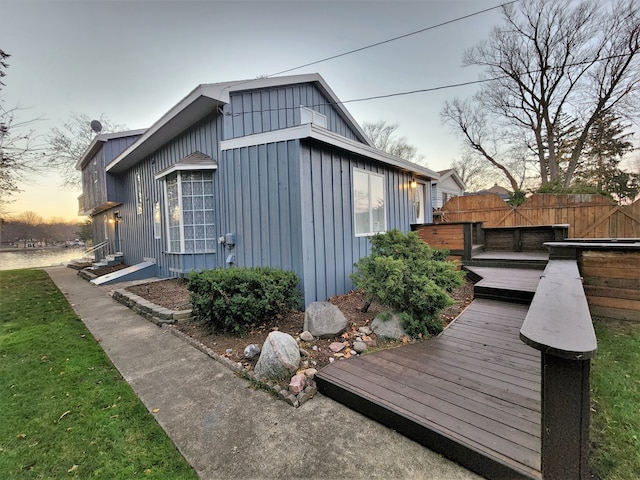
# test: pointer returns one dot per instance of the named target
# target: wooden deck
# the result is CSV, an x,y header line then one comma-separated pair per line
x,y
472,394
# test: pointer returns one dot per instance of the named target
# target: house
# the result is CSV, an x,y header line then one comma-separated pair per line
x,y
447,186
264,172
501,192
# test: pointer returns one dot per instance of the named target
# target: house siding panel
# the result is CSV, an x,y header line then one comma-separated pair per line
x,y
259,189
265,110
136,231
330,246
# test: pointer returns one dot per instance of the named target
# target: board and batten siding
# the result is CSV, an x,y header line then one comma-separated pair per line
x,y
261,111
99,187
136,231
260,196
329,244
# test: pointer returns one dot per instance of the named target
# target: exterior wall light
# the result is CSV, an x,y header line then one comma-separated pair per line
x,y
413,184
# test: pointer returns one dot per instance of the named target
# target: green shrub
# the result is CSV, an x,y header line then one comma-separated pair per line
x,y
231,299
407,275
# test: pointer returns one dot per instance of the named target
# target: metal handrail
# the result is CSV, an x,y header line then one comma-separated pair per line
x,y
96,247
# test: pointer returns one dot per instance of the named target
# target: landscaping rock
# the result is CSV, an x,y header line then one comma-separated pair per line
x,y
365,330
306,336
324,320
391,328
297,384
251,351
280,356
310,372
360,347
336,347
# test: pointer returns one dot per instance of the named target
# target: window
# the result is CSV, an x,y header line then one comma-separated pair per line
x,y
157,228
189,212
138,193
369,203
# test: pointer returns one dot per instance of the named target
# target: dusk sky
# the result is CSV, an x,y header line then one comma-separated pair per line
x,y
133,60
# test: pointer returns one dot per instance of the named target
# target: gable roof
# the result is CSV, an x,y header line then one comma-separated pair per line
x,y
99,140
205,99
451,172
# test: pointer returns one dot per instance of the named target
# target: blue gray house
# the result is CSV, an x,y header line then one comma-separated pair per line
x,y
272,171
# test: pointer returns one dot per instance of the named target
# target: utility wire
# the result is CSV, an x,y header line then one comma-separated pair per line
x,y
377,44
432,89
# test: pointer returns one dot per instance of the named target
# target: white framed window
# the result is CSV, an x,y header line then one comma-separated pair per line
x,y
157,226
369,203
190,212
138,193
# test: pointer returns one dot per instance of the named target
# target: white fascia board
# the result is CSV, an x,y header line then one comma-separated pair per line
x,y
273,136
326,136
189,110
100,139
183,167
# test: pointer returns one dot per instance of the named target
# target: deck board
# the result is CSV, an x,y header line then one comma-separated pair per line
x,y
472,393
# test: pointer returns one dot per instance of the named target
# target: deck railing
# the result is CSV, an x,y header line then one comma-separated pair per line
x,y
558,324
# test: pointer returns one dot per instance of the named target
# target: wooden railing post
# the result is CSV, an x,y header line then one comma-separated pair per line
x,y
559,325
468,240
565,418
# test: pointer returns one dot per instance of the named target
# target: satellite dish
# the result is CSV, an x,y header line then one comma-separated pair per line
x,y
96,126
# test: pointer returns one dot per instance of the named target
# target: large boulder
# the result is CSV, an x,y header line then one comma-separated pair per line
x,y
324,320
391,328
280,356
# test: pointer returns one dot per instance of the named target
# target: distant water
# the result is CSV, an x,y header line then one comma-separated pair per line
x,y
34,258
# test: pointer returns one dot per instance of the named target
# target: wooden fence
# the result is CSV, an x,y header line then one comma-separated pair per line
x,y
588,216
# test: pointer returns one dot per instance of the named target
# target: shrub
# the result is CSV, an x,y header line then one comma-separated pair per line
x,y
231,299
407,275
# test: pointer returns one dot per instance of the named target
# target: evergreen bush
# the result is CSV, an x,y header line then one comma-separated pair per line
x,y
231,299
407,275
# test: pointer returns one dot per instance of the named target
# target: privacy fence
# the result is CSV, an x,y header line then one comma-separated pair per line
x,y
588,216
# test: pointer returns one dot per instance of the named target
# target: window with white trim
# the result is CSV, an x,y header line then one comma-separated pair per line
x,y
157,225
189,212
138,193
368,203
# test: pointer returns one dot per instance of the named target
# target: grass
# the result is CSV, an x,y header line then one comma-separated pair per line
x,y
65,410
615,383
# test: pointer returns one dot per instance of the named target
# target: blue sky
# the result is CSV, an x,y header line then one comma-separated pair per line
x,y
134,60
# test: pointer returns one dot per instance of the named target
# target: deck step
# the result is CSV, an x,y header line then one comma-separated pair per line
x,y
516,285
499,259
472,393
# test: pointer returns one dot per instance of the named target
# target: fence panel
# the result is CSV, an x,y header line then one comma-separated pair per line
x,y
588,216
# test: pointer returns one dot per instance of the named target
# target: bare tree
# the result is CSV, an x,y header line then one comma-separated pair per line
x,y
18,149
383,136
478,136
553,59
67,144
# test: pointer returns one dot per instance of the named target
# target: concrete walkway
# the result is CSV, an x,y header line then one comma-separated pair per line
x,y
226,429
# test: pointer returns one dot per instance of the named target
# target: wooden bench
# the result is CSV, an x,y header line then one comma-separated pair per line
x,y
558,324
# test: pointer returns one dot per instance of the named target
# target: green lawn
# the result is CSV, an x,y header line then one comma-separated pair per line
x,y
65,411
615,383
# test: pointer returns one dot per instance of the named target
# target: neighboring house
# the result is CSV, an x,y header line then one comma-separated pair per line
x,y
449,185
265,172
502,192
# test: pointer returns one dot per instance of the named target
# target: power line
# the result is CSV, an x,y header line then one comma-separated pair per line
x,y
432,89
392,39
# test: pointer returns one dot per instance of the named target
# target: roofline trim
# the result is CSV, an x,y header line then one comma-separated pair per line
x,y
323,135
